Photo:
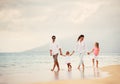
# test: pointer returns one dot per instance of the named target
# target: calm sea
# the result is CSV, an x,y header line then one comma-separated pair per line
x,y
18,68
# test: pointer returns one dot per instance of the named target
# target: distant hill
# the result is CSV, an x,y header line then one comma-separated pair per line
x,y
106,46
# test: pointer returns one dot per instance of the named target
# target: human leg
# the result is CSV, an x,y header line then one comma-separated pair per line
x,y
93,62
97,63
83,66
54,63
81,60
57,63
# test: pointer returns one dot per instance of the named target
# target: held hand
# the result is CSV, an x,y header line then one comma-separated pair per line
x,y
60,53
88,53
72,53
50,54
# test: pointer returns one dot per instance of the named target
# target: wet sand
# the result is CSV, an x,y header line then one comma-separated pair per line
x,y
113,78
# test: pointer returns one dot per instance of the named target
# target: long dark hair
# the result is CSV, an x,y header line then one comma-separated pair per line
x,y
80,37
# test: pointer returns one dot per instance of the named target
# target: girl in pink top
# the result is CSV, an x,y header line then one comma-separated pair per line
x,y
95,50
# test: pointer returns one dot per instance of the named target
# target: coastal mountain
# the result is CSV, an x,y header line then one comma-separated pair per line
x,y
106,46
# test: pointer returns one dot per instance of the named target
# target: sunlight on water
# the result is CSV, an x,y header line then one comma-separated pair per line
x,y
21,68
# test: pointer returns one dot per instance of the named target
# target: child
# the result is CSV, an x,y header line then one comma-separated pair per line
x,y
68,60
95,50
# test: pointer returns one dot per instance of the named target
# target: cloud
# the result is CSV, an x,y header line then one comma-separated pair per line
x,y
41,15
9,14
30,23
82,11
20,41
7,18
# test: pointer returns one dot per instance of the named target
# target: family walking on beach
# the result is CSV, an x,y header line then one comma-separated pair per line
x,y
55,49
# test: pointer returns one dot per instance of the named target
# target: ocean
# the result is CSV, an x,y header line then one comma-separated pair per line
x,y
23,68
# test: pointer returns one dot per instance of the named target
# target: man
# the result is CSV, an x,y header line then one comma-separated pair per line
x,y
54,51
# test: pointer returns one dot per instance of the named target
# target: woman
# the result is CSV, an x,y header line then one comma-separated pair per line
x,y
81,49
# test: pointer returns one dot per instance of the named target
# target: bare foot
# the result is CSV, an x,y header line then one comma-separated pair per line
x,y
58,69
71,67
83,69
52,69
78,68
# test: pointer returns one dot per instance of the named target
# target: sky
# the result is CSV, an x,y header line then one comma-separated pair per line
x,y
27,24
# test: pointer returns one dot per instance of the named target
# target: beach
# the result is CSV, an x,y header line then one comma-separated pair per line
x,y
37,35
36,69
113,78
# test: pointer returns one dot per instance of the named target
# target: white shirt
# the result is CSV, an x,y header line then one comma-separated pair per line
x,y
68,59
81,47
54,47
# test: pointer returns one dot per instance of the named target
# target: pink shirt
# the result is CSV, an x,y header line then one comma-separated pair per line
x,y
96,51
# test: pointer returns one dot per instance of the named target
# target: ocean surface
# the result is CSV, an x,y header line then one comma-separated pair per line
x,y
27,68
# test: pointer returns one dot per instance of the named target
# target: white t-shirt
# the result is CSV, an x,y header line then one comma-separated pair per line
x,y
67,59
80,47
54,47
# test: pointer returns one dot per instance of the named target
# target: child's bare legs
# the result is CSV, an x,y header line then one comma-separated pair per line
x,y
83,66
69,66
97,63
93,62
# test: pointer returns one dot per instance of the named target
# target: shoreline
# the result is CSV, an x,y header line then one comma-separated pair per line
x,y
113,78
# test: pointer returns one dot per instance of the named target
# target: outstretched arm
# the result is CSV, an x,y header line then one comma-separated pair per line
x,y
90,52
50,52
72,53
63,55
60,51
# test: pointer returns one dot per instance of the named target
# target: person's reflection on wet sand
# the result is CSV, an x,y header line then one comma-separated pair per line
x,y
96,72
69,74
82,74
56,75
